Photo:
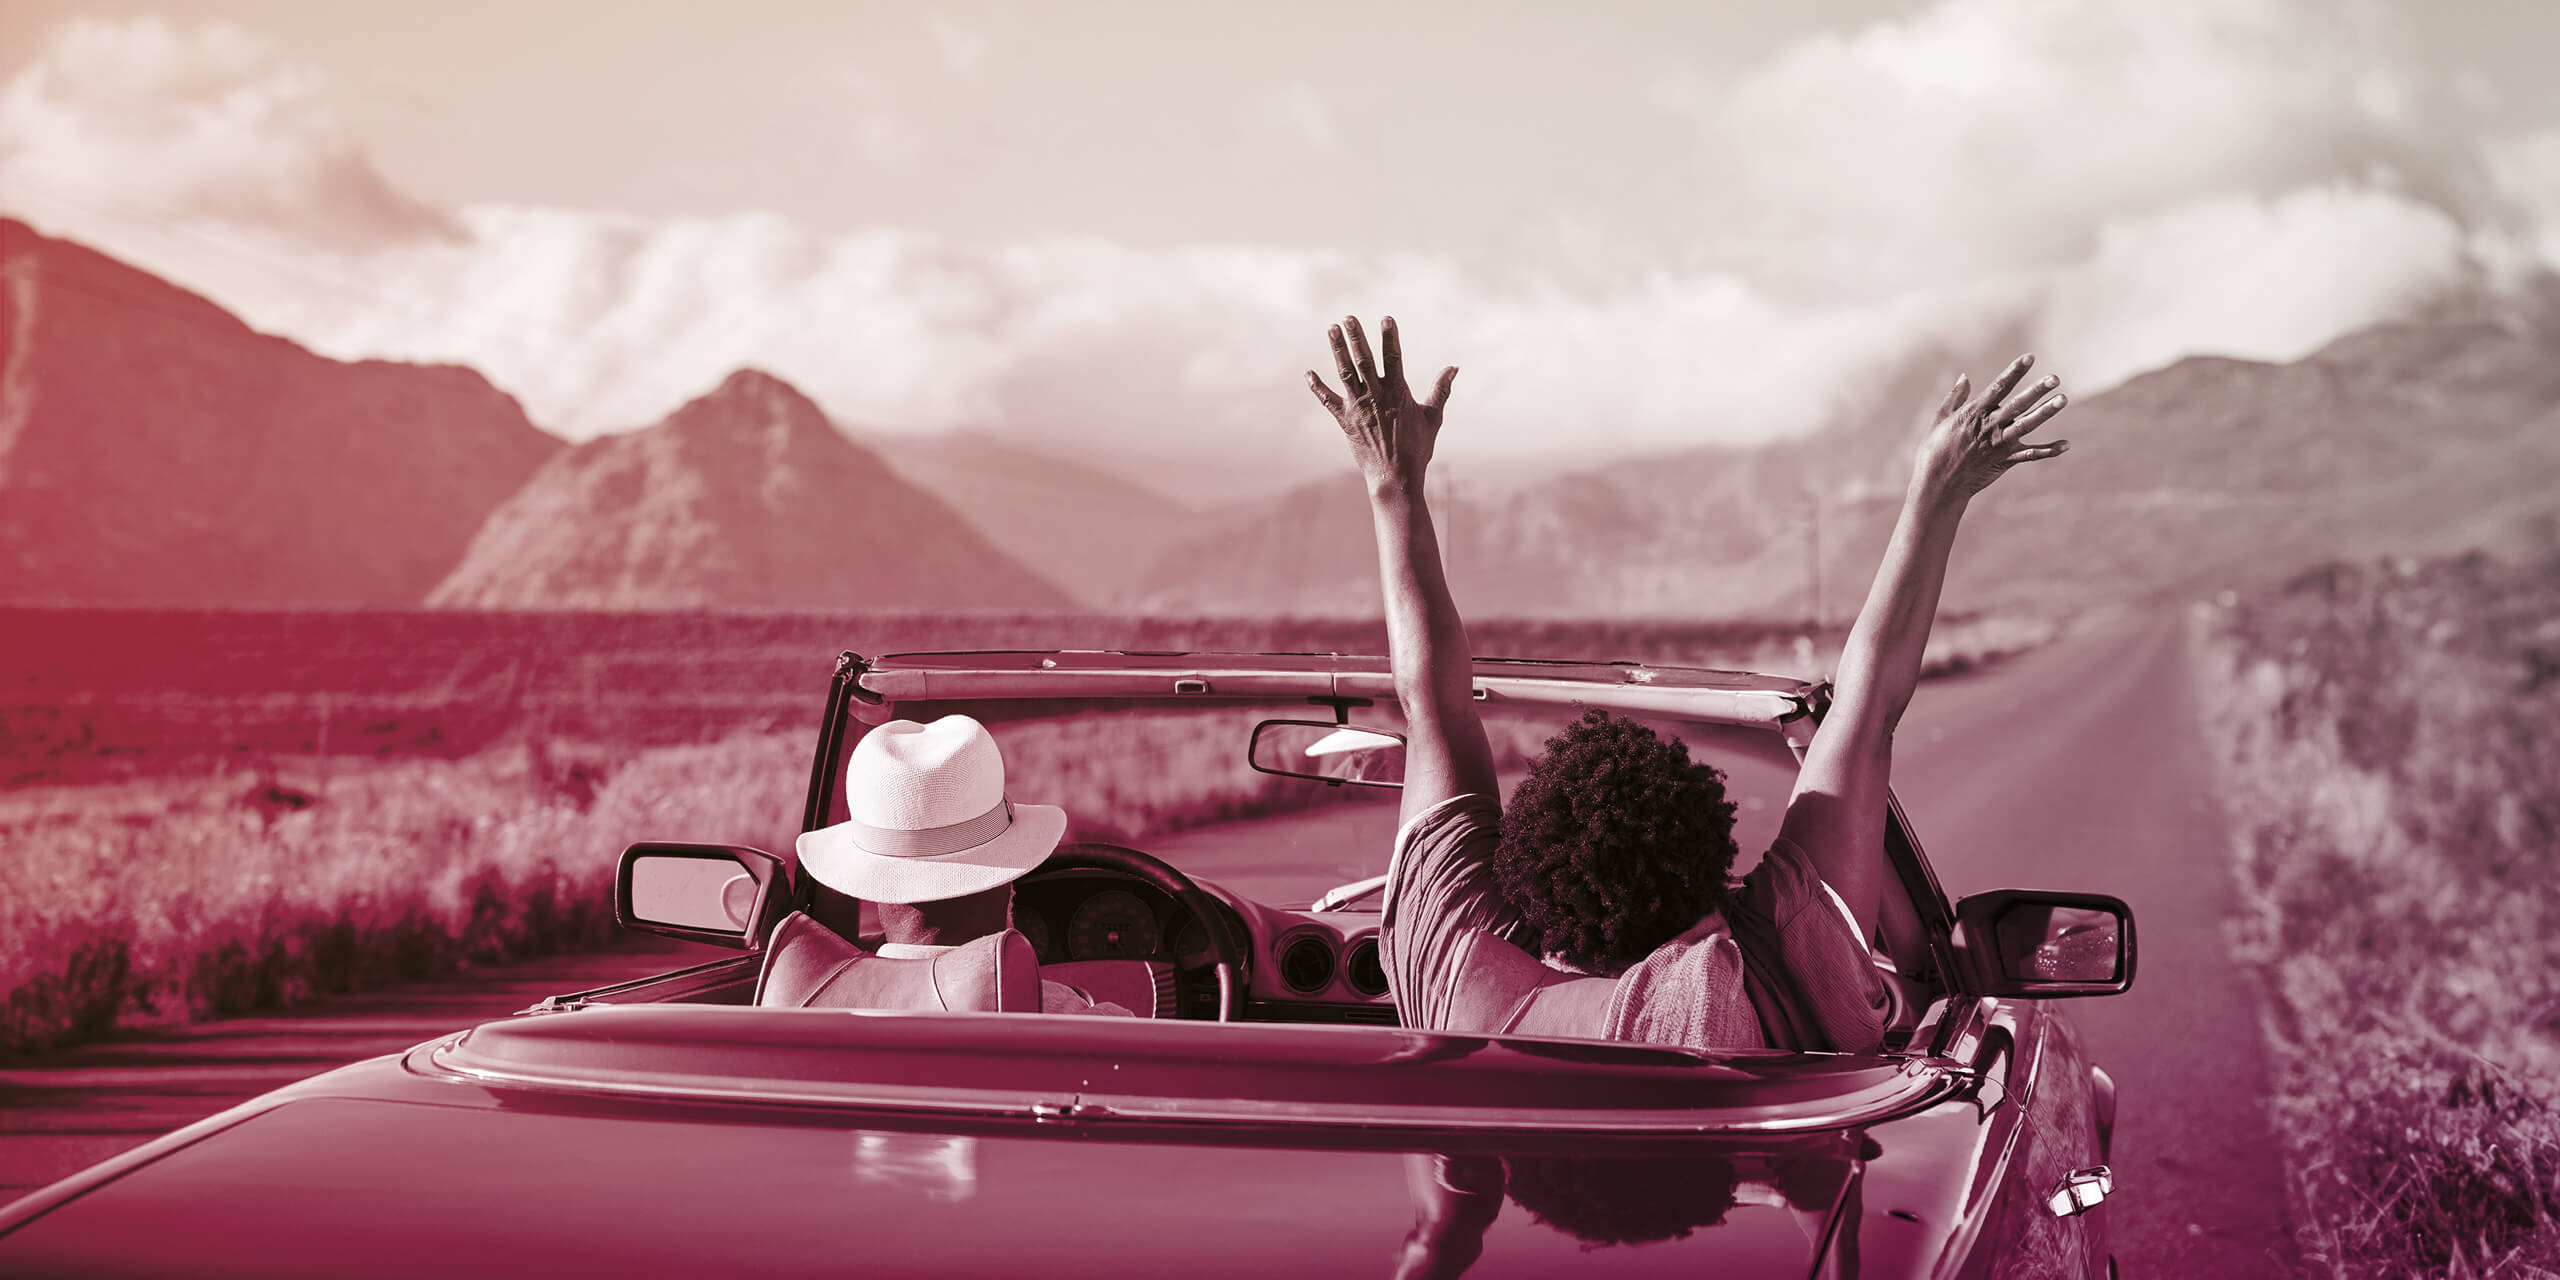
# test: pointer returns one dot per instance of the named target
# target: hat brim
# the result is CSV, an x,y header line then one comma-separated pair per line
x,y
839,862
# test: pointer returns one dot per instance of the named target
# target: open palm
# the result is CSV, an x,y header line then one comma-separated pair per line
x,y
1391,433
1975,441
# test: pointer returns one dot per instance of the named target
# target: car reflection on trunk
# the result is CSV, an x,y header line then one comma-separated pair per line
x,y
1620,1200
943,1166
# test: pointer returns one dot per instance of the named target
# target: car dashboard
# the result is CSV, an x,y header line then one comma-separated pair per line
x,y
1304,966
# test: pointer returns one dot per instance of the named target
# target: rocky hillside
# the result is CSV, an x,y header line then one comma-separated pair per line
x,y
1089,531
747,498
2420,435
154,450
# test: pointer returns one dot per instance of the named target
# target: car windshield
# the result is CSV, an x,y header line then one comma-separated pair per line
x,y
1174,781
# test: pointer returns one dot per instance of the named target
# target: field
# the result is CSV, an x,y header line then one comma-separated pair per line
x,y
2391,737
207,813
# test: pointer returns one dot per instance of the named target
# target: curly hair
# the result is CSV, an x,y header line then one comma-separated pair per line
x,y
1602,1200
1614,844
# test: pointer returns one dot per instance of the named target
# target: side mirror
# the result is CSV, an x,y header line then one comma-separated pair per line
x,y
723,894
1327,752
2044,946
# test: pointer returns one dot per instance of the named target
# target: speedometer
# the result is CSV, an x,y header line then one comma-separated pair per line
x,y
1112,925
1191,949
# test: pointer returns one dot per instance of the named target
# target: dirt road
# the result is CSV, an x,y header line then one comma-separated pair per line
x,y
2082,767
2076,767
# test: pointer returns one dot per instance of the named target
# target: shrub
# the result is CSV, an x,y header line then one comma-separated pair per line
x,y
164,901
2393,772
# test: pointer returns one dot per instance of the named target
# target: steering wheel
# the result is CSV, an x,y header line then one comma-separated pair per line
x,y
1092,855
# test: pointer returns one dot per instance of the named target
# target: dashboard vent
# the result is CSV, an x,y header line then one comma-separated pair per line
x,y
1366,975
1306,964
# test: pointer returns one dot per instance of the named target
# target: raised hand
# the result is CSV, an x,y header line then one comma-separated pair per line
x,y
1391,433
1975,441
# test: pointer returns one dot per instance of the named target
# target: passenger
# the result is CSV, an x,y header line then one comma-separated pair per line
x,y
1599,904
935,843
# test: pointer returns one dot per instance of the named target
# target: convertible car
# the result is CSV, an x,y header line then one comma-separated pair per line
x,y
1264,1115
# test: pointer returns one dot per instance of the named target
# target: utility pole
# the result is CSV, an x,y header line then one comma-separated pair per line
x,y
1813,550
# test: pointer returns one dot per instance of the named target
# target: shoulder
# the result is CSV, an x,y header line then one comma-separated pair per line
x,y
1457,818
1442,858
1784,885
1501,989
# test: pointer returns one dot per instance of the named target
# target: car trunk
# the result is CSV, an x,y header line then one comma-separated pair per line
x,y
702,1141
335,1187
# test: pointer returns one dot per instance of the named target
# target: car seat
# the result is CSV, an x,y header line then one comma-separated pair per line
x,y
810,966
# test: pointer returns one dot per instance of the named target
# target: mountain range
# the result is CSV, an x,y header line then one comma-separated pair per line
x,y
154,450
1082,527
745,499
2425,434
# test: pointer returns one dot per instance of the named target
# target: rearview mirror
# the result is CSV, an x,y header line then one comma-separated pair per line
x,y
1327,752
2039,945
726,895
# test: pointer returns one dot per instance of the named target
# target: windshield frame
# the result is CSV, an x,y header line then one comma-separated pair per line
x,y
1919,923
1283,1075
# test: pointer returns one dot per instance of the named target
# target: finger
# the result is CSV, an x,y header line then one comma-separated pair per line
x,y
1324,395
1440,389
1393,352
1955,395
2038,452
2000,387
2020,403
1342,365
2031,419
1360,349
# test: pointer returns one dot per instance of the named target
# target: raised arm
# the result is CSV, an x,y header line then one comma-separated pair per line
x,y
1837,815
1391,436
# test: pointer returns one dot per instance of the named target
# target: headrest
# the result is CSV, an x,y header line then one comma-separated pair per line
x,y
810,966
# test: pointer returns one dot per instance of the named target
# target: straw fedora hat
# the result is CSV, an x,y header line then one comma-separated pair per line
x,y
927,817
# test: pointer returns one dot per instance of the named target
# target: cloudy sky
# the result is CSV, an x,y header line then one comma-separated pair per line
x,y
1119,228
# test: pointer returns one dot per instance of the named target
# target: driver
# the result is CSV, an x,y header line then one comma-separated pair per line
x,y
1597,905
933,841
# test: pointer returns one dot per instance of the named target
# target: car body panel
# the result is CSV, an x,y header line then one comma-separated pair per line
x,y
475,1186
397,1167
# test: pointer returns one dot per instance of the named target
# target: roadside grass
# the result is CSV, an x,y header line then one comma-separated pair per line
x,y
2390,743
136,904
141,904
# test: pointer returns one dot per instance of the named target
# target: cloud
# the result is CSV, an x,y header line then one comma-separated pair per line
x,y
963,48
2526,170
601,324
2242,276
1298,110
2123,184
143,119
2000,135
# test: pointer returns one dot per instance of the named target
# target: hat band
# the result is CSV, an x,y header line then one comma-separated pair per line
x,y
927,842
